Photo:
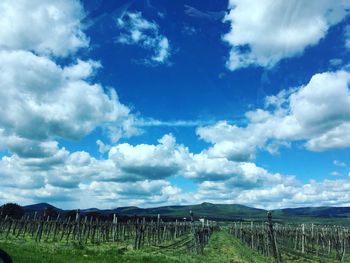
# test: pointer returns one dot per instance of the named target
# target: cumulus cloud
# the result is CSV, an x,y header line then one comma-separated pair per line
x,y
64,176
42,100
47,27
136,172
264,32
154,161
280,195
125,163
136,30
317,113
237,175
137,175
229,141
141,193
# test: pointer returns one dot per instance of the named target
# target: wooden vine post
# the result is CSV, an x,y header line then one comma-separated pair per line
x,y
273,240
303,239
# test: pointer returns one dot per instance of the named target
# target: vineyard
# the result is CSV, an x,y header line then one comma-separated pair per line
x,y
287,242
266,241
138,232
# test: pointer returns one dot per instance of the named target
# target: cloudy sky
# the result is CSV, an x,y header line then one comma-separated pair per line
x,y
149,103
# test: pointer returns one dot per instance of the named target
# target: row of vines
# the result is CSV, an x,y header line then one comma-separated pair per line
x,y
283,242
138,232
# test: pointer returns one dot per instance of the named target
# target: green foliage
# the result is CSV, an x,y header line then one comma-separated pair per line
x,y
12,210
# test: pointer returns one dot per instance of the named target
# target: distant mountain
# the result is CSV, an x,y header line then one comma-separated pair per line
x,y
208,210
41,207
214,211
317,211
90,210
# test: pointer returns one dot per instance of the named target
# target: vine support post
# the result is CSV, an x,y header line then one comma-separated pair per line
x,y
273,240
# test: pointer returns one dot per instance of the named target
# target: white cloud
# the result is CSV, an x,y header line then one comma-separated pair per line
x,y
336,138
153,161
335,173
229,141
339,163
47,27
43,100
317,113
324,102
62,177
280,195
264,32
130,172
237,175
136,175
102,148
150,122
141,193
335,62
136,30
347,37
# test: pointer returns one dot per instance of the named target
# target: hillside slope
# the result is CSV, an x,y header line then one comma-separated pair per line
x,y
214,212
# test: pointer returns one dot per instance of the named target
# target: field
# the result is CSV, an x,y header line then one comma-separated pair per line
x,y
222,247
79,237
295,243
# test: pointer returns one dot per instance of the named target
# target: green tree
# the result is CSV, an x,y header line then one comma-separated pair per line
x,y
12,210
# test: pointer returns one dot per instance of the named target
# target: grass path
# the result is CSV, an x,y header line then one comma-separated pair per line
x,y
224,248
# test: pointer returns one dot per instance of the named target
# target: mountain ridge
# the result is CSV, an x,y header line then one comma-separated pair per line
x,y
208,210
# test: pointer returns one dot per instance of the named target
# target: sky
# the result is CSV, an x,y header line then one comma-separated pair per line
x,y
152,103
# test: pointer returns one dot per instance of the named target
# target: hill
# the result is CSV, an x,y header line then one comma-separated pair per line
x,y
41,207
213,211
208,210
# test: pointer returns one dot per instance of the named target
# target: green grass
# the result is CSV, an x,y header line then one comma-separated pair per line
x,y
224,248
221,248
29,252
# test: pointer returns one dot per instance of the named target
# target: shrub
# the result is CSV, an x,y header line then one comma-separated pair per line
x,y
12,210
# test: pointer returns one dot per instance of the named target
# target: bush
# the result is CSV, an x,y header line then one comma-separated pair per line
x,y
51,212
71,214
12,210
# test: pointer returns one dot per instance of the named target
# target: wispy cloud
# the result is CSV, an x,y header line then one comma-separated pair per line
x,y
136,30
172,123
347,37
335,173
339,163
207,15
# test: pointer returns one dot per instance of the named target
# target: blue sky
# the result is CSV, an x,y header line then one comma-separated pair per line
x,y
148,103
